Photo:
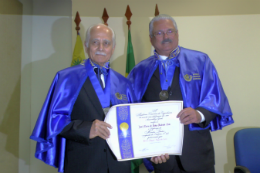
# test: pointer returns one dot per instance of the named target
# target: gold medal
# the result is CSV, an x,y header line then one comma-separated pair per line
x,y
164,95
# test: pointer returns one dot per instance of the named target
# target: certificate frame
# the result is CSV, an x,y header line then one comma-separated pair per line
x,y
142,130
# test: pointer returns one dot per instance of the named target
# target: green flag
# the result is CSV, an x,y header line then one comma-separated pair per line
x,y
130,63
135,165
130,59
78,53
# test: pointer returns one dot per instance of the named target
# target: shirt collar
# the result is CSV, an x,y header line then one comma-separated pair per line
x,y
104,69
94,65
173,54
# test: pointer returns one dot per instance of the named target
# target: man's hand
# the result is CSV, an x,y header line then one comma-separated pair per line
x,y
160,159
188,116
99,128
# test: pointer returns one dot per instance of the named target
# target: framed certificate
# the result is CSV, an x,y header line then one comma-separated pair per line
x,y
144,130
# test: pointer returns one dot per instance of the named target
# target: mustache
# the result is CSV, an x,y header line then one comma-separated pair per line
x,y
166,40
100,53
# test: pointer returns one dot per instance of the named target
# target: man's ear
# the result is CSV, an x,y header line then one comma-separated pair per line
x,y
113,49
150,38
86,49
85,46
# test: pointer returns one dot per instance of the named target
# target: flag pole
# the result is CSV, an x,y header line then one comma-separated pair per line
x,y
77,20
78,53
130,60
130,63
105,16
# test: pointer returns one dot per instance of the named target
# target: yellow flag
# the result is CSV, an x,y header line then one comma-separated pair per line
x,y
78,53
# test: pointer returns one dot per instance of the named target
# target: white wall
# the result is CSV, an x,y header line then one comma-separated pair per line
x,y
46,49
10,67
232,42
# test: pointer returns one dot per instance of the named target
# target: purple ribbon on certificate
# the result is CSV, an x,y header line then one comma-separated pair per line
x,y
124,131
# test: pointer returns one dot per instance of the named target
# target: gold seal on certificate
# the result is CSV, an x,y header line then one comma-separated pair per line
x,y
164,95
124,126
142,130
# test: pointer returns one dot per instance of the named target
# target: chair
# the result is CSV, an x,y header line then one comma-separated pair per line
x,y
247,150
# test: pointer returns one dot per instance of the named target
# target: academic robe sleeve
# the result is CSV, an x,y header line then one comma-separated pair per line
x,y
212,98
50,147
55,115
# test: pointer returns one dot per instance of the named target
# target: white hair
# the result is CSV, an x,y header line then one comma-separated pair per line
x,y
161,17
88,34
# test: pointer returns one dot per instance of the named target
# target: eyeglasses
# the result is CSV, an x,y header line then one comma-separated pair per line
x,y
161,33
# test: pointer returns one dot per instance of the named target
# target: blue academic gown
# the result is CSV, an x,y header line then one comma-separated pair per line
x,y
200,87
58,105
199,83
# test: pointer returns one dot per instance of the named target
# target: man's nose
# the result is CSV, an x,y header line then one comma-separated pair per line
x,y
165,35
100,46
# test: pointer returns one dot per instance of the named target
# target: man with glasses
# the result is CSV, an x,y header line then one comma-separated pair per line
x,y
177,73
70,131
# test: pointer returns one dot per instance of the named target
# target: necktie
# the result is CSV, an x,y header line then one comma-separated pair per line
x,y
98,73
164,65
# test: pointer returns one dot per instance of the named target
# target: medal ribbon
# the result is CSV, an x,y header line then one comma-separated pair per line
x,y
166,75
166,69
103,95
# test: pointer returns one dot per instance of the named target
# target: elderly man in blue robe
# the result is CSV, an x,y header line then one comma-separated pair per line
x,y
70,131
177,73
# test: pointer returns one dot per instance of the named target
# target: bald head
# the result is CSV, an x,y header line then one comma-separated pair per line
x,y
100,43
98,26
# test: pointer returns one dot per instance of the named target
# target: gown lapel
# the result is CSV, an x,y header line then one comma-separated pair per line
x,y
88,88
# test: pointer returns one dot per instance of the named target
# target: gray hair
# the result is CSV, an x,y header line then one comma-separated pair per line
x,y
88,34
161,17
